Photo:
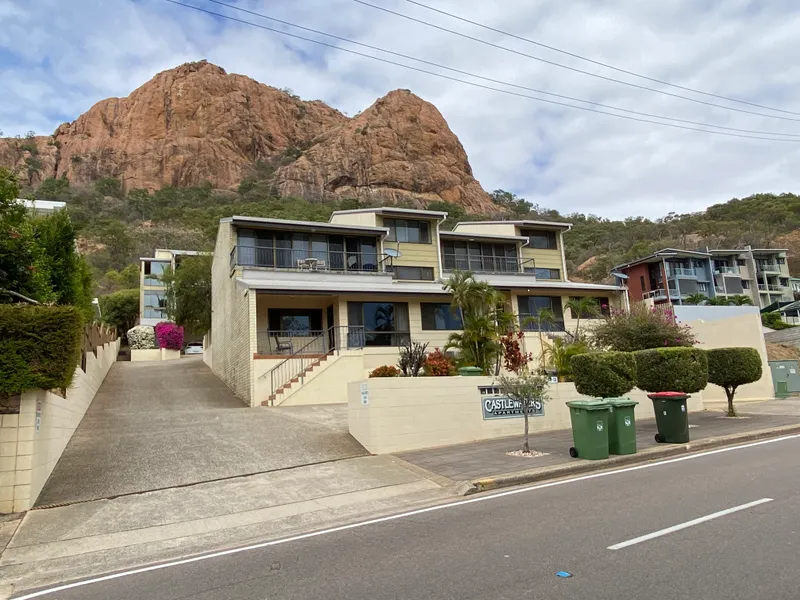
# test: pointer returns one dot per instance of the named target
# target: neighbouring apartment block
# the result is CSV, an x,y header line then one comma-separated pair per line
x,y
299,309
672,276
152,291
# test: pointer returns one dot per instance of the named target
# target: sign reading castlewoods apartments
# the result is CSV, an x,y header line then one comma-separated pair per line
x,y
497,406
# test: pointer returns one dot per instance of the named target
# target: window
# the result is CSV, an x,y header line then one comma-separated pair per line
x,y
384,323
745,284
155,305
319,252
153,271
290,322
784,282
702,287
781,260
480,257
742,262
546,273
440,317
529,307
413,232
641,282
602,307
415,273
543,240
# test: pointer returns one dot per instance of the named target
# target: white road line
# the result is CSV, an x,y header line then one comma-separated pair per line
x,y
412,513
687,524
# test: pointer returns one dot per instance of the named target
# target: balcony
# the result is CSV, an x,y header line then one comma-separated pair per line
x,y
768,267
681,272
487,264
312,261
727,270
771,288
659,294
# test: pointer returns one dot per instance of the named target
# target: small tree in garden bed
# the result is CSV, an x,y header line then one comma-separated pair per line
x,y
671,370
412,358
514,359
169,336
640,329
731,367
141,337
438,364
385,371
525,388
604,374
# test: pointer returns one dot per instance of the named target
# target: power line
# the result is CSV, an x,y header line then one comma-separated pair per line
x,y
574,69
470,83
498,81
597,62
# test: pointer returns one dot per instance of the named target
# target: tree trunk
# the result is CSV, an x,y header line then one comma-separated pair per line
x,y
525,447
730,392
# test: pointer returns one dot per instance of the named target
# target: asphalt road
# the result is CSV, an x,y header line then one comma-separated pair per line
x,y
511,544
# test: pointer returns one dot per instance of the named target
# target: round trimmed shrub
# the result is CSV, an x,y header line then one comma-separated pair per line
x,y
731,367
604,374
385,371
142,337
671,370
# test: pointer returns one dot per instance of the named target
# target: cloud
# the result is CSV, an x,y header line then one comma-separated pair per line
x,y
56,63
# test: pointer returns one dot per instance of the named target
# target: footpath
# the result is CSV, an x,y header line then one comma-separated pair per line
x,y
54,545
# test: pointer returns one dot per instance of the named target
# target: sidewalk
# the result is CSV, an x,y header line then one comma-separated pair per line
x,y
488,459
71,542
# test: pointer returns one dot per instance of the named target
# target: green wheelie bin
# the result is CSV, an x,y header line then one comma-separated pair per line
x,y
621,426
589,429
672,417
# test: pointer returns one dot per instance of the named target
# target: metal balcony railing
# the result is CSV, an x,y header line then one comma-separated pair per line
x,y
310,260
727,270
659,293
768,267
682,272
487,264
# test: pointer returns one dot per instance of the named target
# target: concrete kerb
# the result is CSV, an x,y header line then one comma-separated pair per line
x,y
650,454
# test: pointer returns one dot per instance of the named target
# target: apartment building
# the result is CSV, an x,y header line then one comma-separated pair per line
x,y
152,291
671,275
299,309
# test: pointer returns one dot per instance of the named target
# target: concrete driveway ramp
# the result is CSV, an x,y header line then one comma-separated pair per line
x,y
160,425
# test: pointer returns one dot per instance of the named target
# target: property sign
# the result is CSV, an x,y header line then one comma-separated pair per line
x,y
497,406
364,394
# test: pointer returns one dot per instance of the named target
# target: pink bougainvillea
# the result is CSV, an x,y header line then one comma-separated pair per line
x,y
169,336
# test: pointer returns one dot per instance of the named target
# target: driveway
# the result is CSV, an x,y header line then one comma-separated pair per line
x,y
157,425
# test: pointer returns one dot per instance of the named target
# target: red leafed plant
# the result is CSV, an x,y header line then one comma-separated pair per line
x,y
385,371
514,359
169,336
438,364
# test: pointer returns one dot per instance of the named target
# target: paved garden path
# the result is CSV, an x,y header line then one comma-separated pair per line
x,y
158,425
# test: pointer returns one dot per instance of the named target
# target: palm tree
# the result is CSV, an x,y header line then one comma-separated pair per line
x,y
719,301
541,320
740,300
582,306
696,299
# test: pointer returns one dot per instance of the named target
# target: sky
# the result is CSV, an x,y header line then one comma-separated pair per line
x,y
58,58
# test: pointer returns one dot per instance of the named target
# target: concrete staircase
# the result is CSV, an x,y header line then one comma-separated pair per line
x,y
316,367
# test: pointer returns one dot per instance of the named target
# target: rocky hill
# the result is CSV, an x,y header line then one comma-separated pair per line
x,y
196,123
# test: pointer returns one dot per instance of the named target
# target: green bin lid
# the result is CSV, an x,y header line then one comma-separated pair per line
x,y
470,371
588,404
620,402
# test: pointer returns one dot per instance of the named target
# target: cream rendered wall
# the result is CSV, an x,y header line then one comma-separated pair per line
x,y
367,219
498,228
738,330
165,254
145,355
29,451
233,320
416,255
329,385
413,413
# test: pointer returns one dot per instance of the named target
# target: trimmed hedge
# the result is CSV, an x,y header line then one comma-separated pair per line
x,y
604,374
731,367
671,370
40,346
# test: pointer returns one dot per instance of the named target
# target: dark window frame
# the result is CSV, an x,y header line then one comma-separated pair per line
x,y
453,316
427,271
526,305
423,229
549,239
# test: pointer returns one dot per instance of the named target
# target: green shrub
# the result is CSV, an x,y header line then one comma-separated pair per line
x,y
641,328
120,309
773,320
604,374
671,370
40,346
385,371
731,367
